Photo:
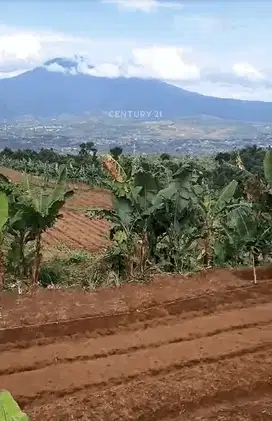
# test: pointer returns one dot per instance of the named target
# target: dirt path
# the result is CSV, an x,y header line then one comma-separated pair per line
x,y
175,350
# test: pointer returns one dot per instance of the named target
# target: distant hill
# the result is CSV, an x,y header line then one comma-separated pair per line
x,y
44,93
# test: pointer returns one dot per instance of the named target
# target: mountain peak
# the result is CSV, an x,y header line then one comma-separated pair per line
x,y
64,62
75,65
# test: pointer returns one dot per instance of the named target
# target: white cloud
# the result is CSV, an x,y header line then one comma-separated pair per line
x,y
109,70
20,46
7,75
246,70
55,67
20,49
144,5
103,70
165,63
160,62
206,71
230,91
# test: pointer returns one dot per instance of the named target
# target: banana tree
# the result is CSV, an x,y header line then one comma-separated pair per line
x,y
267,164
132,196
249,226
3,221
257,189
210,214
123,233
130,221
250,234
31,216
140,214
144,192
171,206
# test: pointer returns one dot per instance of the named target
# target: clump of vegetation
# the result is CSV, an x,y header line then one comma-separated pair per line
x,y
26,217
169,214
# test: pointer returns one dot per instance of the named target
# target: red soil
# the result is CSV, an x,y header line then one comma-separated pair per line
x,y
177,349
76,231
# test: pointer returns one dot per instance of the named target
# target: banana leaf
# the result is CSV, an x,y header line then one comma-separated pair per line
x,y
9,409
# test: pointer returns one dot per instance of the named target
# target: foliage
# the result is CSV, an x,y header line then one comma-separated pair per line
x,y
85,167
173,214
176,216
28,218
9,408
212,212
4,208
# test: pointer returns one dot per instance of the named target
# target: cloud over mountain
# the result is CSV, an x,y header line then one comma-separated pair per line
x,y
164,63
66,86
232,74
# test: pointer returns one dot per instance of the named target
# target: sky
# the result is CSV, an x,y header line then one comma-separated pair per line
x,y
219,48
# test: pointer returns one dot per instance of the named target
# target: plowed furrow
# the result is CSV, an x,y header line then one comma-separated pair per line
x,y
181,395
150,316
90,198
67,237
79,217
56,236
87,235
78,375
87,350
80,224
247,408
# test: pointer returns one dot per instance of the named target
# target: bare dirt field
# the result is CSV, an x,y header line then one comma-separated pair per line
x,y
74,231
179,349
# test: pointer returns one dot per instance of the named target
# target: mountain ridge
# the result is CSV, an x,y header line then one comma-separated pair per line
x,y
42,92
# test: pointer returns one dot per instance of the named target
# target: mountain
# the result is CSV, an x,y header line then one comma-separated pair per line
x,y
60,86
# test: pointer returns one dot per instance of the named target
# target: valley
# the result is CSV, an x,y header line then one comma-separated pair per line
x,y
197,136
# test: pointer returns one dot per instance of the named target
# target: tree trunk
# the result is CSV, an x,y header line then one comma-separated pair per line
x,y
2,270
37,261
208,252
22,269
254,269
143,253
